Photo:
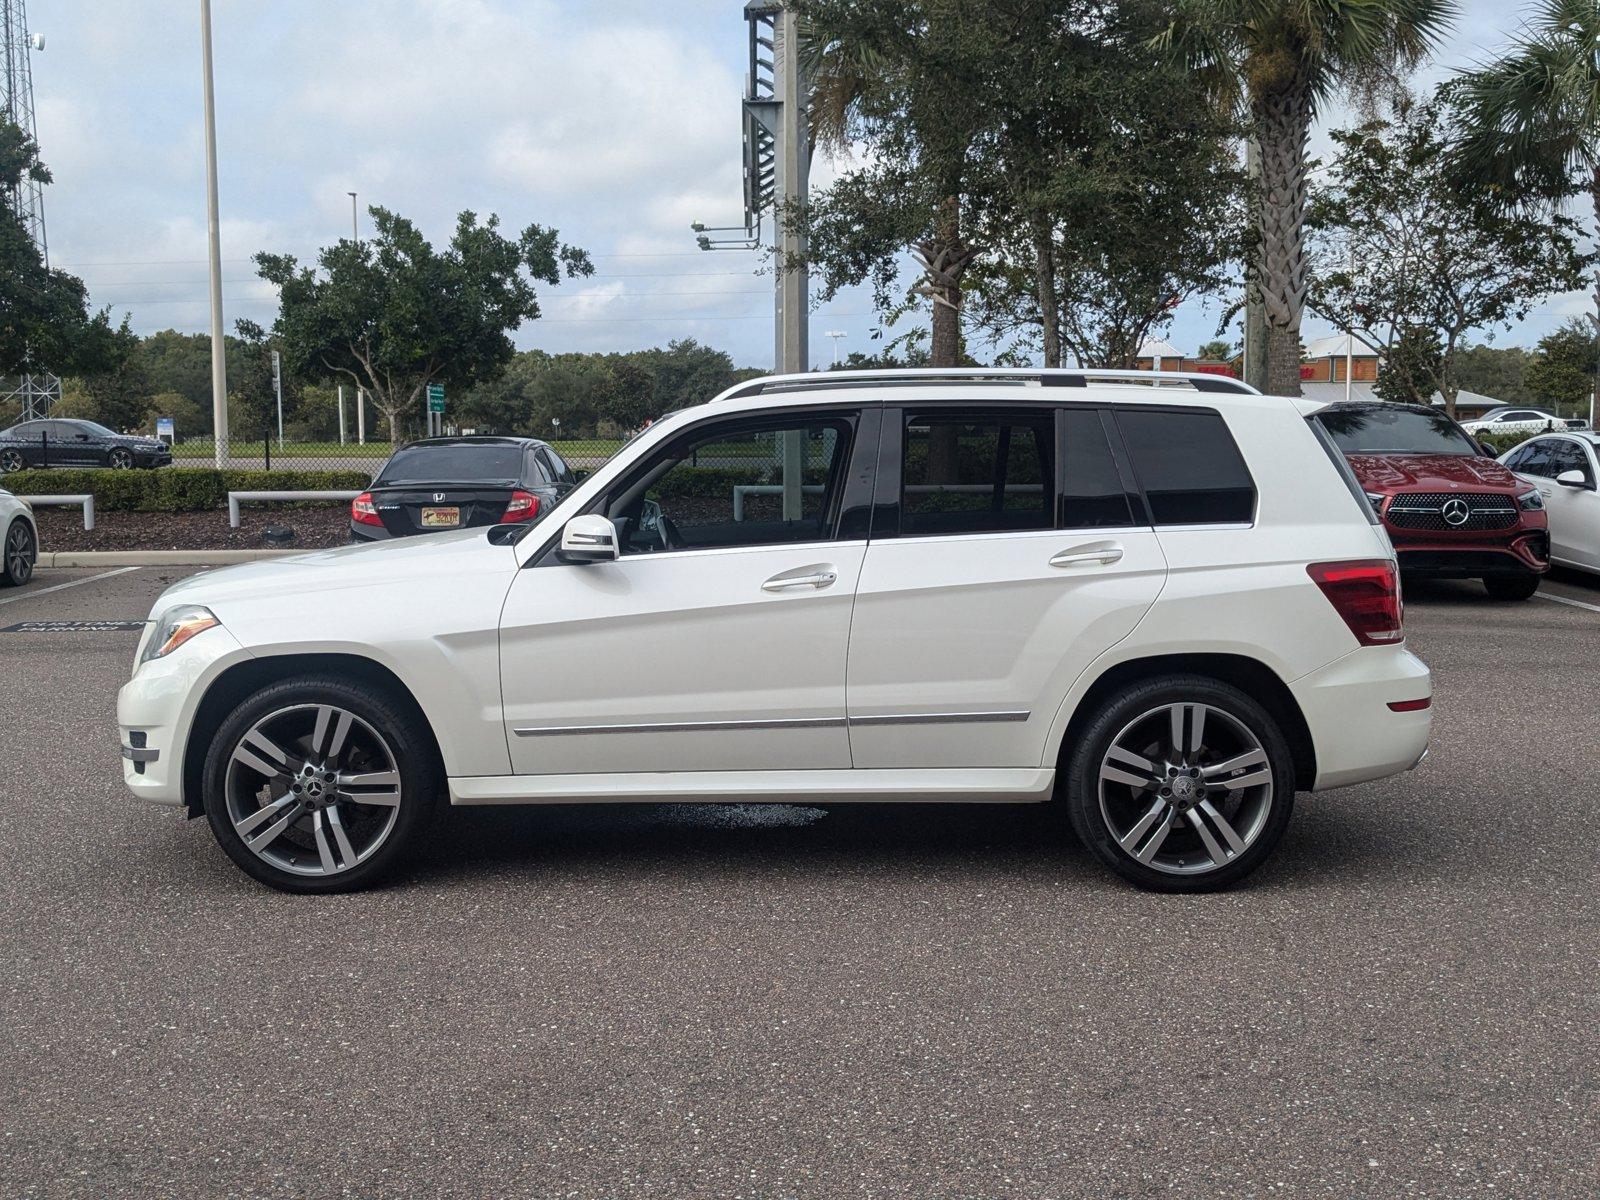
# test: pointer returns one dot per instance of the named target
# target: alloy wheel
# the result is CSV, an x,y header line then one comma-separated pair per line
x,y
1185,788
19,553
313,790
11,460
121,459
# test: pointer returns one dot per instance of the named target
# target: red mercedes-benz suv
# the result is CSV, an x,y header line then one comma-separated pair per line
x,y
1451,511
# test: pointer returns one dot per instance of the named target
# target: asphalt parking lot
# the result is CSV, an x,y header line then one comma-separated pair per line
x,y
889,1002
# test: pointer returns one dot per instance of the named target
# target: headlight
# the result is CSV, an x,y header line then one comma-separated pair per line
x,y
176,626
1376,499
1530,501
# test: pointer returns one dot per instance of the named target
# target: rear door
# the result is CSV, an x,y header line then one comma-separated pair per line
x,y
1007,554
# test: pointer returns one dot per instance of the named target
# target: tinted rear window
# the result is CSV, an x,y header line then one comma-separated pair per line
x,y
1093,496
1189,468
977,472
1397,431
460,463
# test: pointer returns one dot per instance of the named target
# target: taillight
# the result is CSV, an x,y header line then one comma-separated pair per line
x,y
363,511
524,506
1366,593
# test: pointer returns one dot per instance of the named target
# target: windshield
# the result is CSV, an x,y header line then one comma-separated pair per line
x,y
1396,431
460,462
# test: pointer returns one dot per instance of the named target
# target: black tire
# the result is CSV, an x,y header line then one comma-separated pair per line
x,y
1122,711
409,742
120,459
19,551
11,460
1511,587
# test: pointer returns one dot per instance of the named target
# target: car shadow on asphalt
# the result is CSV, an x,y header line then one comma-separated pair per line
x,y
987,842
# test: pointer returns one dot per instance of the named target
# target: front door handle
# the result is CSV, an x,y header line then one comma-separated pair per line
x,y
814,577
1103,554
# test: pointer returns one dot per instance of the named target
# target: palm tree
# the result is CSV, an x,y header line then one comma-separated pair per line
x,y
1277,61
1531,120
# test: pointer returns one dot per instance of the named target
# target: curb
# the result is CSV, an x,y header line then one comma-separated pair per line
x,y
158,558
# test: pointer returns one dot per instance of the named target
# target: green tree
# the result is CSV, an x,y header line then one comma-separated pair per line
x,y
393,314
1407,259
1413,366
1562,373
1119,199
1277,63
1531,131
1497,371
1216,351
45,323
913,82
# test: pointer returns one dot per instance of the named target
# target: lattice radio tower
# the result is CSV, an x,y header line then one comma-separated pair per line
x,y
37,392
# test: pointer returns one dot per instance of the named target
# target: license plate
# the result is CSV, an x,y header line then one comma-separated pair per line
x,y
441,518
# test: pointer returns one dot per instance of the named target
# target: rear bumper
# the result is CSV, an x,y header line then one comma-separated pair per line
x,y
1357,736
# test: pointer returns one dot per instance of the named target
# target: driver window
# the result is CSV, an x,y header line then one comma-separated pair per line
x,y
738,484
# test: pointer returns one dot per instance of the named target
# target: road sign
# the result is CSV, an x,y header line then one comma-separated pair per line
x,y
164,428
436,397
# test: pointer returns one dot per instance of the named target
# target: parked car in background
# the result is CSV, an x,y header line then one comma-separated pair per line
x,y
63,442
1565,468
460,482
1451,511
1510,419
1159,599
19,540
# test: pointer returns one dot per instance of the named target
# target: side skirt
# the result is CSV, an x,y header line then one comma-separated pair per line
x,y
1024,785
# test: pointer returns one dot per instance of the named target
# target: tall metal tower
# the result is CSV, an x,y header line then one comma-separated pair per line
x,y
37,392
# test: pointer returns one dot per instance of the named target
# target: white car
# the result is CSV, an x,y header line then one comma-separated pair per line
x,y
19,540
1159,600
1515,420
1566,467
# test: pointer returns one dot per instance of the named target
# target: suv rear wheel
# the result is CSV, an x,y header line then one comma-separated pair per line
x,y
316,785
1181,784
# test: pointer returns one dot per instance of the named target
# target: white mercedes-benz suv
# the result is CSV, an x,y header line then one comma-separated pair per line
x,y
1159,601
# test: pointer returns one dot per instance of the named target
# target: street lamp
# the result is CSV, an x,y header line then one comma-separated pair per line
x,y
219,351
355,232
836,334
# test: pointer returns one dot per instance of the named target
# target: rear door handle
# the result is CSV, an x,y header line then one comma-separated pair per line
x,y
814,577
1104,555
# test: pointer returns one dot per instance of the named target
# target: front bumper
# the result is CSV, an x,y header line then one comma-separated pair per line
x,y
1356,735
1520,550
156,709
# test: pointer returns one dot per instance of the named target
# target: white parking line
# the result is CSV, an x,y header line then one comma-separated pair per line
x,y
1564,600
70,583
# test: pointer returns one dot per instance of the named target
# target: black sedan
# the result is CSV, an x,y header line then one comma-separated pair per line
x,y
452,483
58,442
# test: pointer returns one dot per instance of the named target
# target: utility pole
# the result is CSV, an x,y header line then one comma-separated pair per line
x,y
36,391
355,228
277,390
219,349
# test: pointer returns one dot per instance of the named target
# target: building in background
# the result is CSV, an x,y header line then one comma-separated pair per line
x,y
1156,355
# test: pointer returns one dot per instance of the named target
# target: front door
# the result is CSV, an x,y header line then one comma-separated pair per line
x,y
1573,512
1015,556
717,641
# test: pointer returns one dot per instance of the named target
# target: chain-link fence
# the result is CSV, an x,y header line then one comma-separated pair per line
x,y
265,452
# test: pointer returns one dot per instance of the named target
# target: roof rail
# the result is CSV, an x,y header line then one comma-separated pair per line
x,y
1200,381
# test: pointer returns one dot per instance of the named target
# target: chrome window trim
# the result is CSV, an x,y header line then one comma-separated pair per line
x,y
941,718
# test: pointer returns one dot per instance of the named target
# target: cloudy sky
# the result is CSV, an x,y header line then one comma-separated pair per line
x,y
615,122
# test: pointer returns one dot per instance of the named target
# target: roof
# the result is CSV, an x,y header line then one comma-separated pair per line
x,y
1331,393
1156,348
1334,347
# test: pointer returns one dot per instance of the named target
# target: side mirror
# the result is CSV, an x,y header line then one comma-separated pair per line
x,y
1485,448
1574,479
588,539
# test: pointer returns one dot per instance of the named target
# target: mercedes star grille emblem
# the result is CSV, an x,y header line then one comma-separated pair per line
x,y
1456,511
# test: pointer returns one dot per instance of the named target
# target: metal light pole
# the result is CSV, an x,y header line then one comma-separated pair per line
x,y
277,390
836,334
219,349
355,231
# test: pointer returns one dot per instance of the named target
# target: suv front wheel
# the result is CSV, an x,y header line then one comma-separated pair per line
x,y
1182,784
317,785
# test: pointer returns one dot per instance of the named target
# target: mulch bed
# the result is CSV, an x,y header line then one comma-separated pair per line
x,y
316,526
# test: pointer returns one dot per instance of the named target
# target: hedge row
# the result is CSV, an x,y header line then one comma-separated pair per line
x,y
173,489
684,481
1501,442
